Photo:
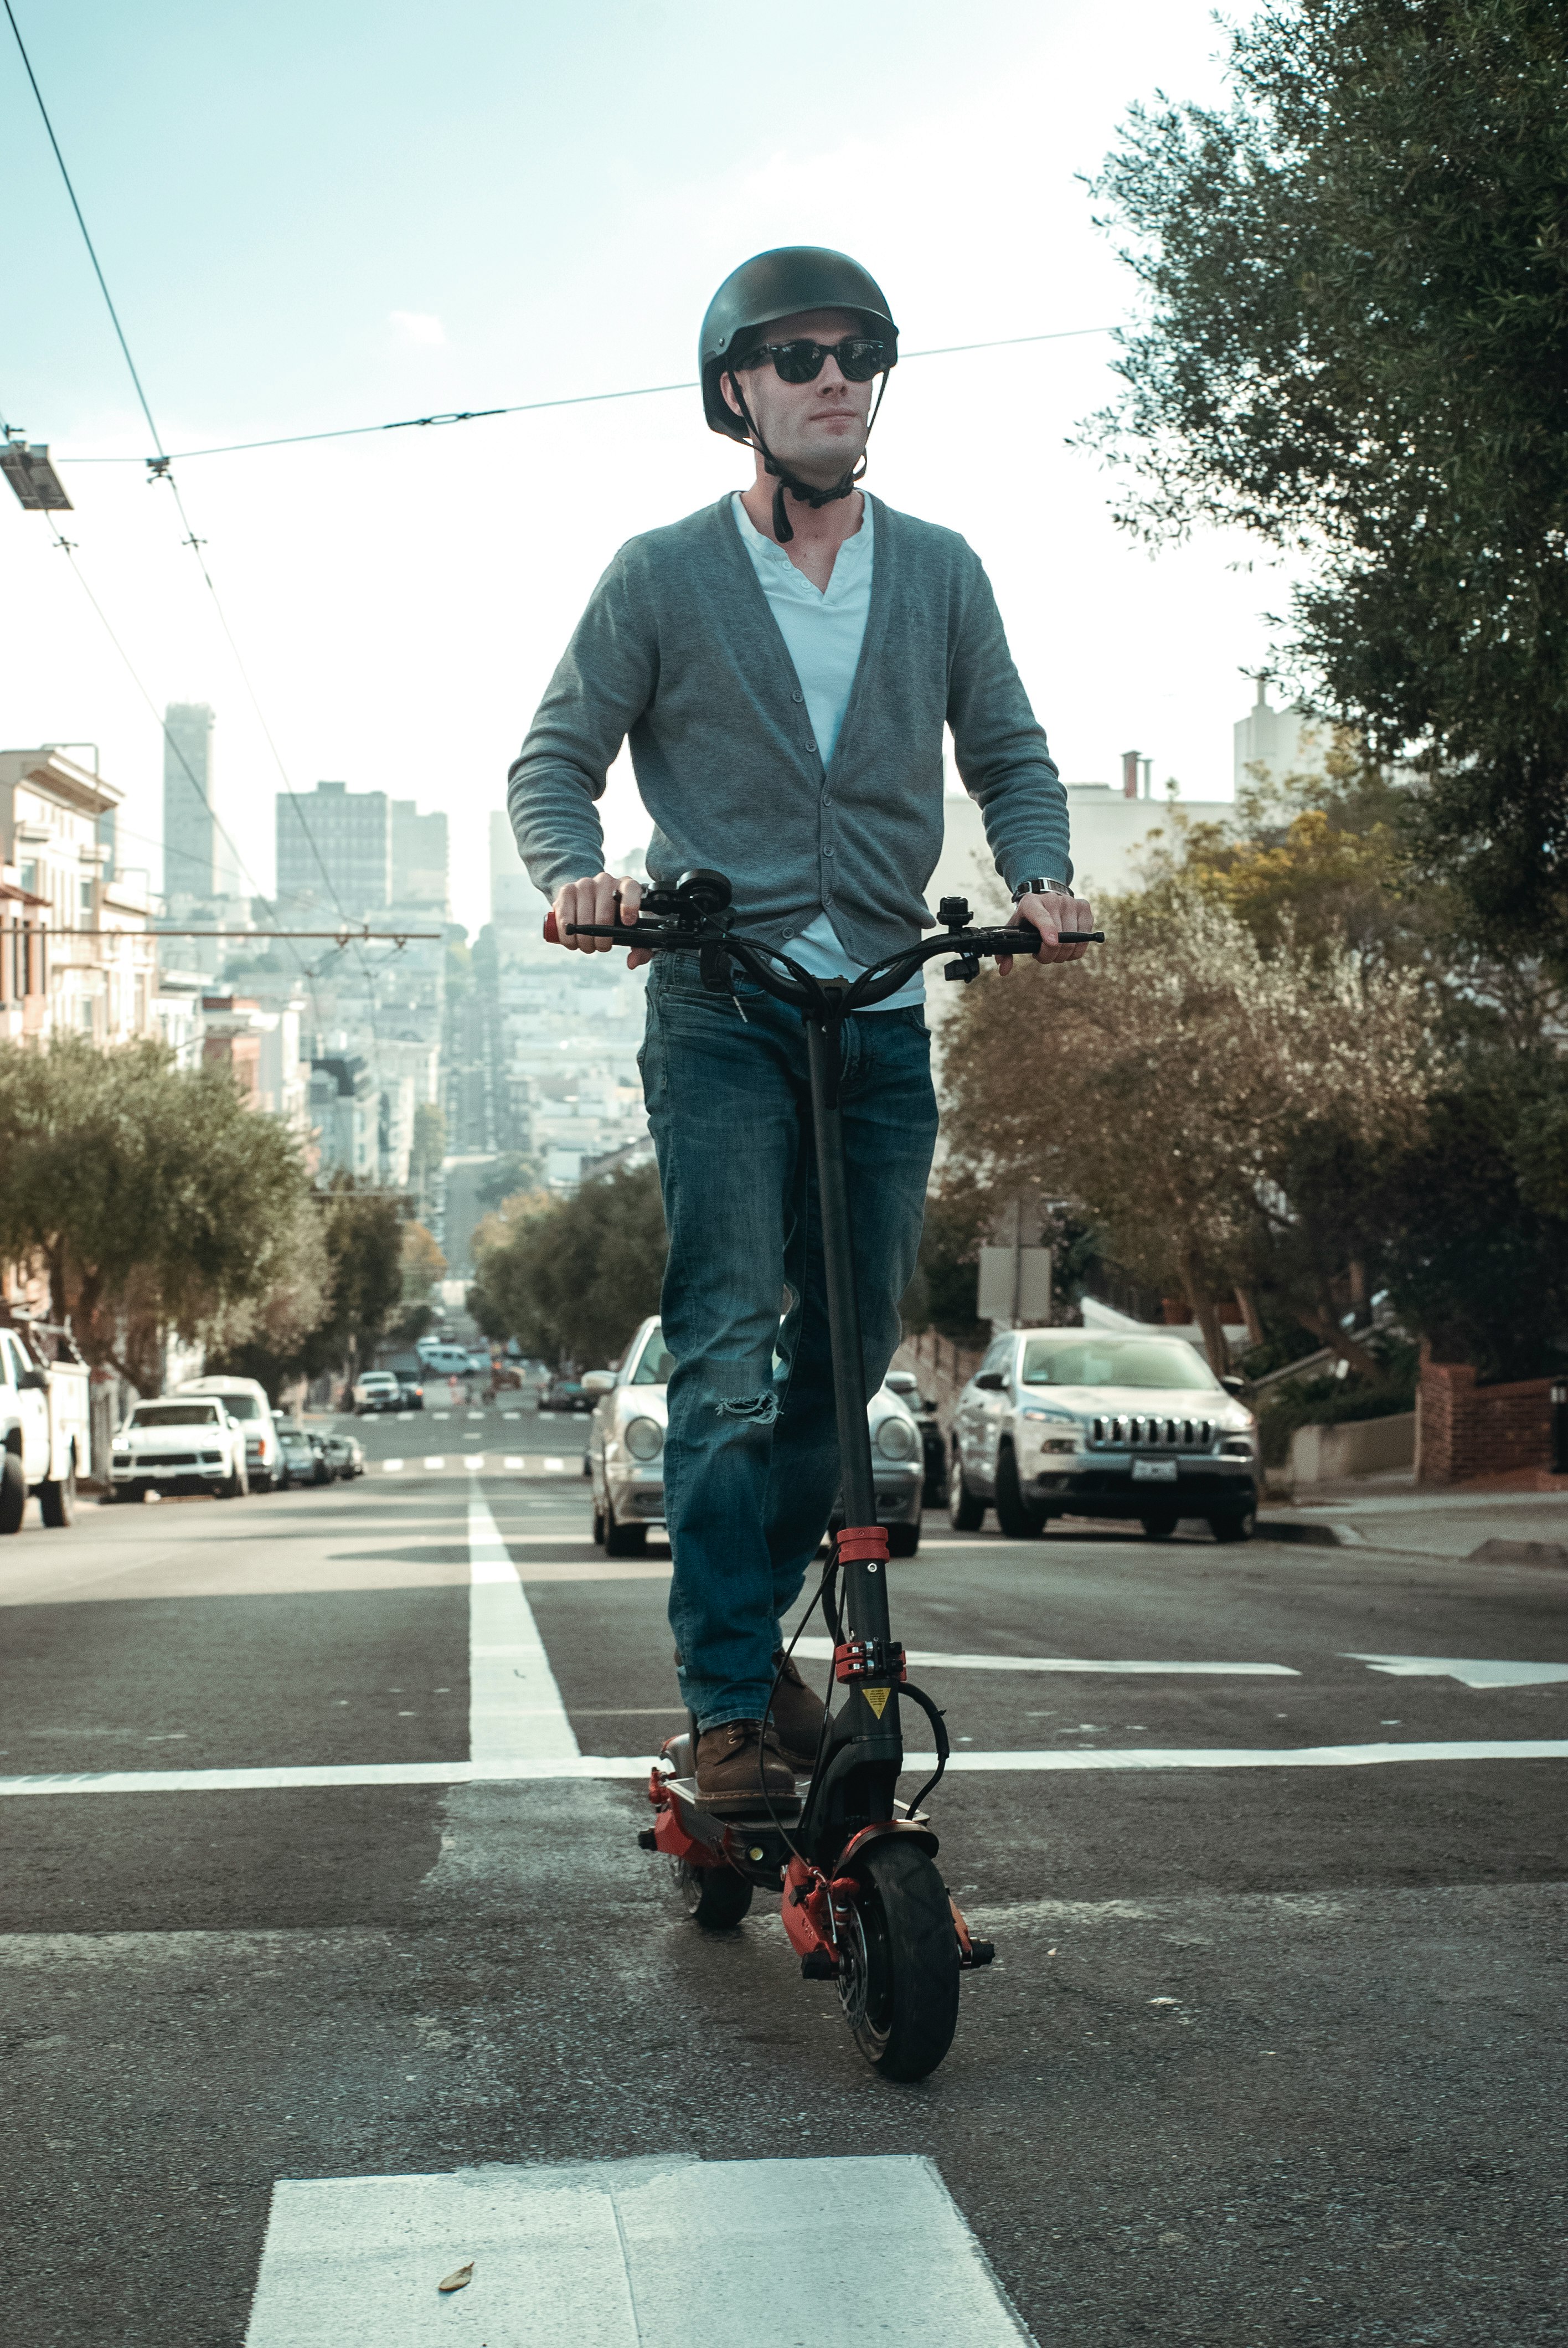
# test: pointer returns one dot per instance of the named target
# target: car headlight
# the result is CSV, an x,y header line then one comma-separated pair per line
x,y
896,1438
1052,1418
644,1439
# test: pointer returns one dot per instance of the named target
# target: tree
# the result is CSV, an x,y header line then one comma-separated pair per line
x,y
157,1203
572,1277
1357,349
1176,1084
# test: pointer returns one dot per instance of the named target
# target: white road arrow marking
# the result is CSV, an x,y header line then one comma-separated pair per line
x,y
1469,1671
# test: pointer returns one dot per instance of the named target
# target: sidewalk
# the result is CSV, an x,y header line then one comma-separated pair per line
x,y
1506,1527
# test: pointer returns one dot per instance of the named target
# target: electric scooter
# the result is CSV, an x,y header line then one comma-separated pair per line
x,y
864,1904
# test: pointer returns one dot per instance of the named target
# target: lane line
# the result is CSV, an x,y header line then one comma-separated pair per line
x,y
599,2254
514,1708
821,1651
1473,1673
506,1769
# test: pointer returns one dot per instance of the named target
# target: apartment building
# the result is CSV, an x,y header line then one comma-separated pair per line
x,y
78,953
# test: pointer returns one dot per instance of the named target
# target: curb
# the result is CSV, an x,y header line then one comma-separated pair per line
x,y
1310,1535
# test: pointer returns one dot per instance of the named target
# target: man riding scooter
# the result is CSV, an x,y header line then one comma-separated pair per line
x,y
784,665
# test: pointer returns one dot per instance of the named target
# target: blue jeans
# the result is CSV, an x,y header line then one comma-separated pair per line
x,y
751,1459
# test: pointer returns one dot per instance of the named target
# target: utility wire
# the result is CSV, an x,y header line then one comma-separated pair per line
x,y
533,407
161,470
81,223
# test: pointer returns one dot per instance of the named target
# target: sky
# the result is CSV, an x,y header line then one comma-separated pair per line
x,y
347,211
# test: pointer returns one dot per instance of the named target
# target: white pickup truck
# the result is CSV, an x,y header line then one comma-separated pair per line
x,y
45,1422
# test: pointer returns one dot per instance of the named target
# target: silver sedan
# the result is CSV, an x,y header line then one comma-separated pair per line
x,y
626,1452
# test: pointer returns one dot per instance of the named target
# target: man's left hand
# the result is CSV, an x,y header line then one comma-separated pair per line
x,y
1055,918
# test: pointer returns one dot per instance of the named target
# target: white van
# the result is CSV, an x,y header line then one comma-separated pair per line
x,y
246,1400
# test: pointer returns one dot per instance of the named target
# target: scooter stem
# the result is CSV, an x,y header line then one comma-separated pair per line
x,y
865,1590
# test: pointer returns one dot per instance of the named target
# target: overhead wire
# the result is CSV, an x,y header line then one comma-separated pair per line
x,y
533,407
161,468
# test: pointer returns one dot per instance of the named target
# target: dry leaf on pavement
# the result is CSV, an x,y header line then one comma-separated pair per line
x,y
458,2279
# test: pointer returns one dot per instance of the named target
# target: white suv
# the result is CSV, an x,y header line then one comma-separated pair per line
x,y
1073,1422
246,1400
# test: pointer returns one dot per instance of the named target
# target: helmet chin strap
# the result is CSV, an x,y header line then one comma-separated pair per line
x,y
806,491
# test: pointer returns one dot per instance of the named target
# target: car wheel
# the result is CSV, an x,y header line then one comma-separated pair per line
x,y
1017,1518
1237,1526
597,1526
966,1513
57,1497
1158,1524
623,1540
13,1493
903,1540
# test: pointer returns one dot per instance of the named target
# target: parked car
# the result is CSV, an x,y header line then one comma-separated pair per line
x,y
1074,1422
45,1422
568,1393
933,1441
297,1460
625,1451
376,1390
189,1444
346,1455
246,1400
409,1372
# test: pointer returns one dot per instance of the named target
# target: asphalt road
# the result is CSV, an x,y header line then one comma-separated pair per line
x,y
1270,2054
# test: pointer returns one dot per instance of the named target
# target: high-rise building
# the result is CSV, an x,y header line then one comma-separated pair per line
x,y
418,857
199,862
334,850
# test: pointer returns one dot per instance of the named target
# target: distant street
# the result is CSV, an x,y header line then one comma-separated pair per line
x,y
1270,2054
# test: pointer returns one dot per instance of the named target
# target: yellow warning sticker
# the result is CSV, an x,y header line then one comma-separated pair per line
x,y
877,1699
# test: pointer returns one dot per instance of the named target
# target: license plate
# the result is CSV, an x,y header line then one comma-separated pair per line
x,y
1153,1471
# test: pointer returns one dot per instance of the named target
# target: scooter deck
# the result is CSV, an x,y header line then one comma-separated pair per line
x,y
786,1811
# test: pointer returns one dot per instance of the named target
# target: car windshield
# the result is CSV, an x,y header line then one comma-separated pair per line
x,y
654,1364
239,1405
292,1434
1168,1362
175,1414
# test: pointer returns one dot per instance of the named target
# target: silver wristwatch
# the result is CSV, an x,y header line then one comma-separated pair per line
x,y
1040,887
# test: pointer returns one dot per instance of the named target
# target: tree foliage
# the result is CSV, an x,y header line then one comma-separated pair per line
x,y
571,1278
155,1201
1357,349
1181,1085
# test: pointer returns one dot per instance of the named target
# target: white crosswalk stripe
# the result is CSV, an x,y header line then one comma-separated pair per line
x,y
600,2254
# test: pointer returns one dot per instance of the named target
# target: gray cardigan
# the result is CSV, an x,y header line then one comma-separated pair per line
x,y
679,651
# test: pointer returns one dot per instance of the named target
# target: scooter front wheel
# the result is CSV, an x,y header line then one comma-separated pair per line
x,y
714,1897
898,1980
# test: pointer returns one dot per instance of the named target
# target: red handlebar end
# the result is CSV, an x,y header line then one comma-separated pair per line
x,y
552,935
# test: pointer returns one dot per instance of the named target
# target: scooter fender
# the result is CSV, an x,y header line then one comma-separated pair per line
x,y
878,1832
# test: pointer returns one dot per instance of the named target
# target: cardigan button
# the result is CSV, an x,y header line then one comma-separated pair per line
x,y
798,696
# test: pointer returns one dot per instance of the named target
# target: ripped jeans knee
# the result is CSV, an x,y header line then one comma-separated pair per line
x,y
758,1410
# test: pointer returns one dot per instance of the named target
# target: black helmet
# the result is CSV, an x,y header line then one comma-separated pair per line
x,y
775,285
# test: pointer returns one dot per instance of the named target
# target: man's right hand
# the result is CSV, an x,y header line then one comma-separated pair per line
x,y
593,902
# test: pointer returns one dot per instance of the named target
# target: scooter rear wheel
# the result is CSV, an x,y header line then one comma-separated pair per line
x,y
714,1897
899,1985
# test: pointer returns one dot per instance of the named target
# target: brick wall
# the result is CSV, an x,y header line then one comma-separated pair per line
x,y
1465,1430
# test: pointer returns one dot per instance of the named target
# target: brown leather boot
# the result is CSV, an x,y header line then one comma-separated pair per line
x,y
798,1716
737,1763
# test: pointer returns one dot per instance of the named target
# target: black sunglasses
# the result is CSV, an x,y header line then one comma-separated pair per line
x,y
859,358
